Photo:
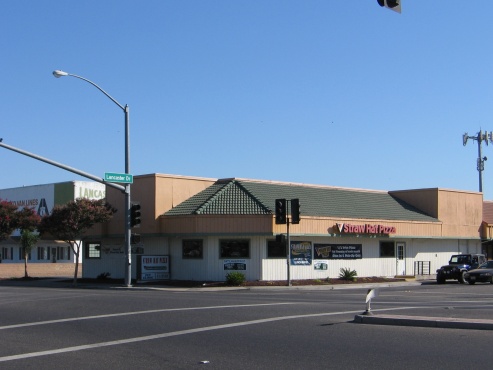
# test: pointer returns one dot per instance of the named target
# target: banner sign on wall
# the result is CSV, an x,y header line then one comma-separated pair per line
x,y
301,253
338,251
321,265
232,265
153,268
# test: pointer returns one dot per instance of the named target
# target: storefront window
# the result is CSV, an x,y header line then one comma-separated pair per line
x,y
44,253
7,253
276,249
234,248
193,249
63,253
387,249
93,250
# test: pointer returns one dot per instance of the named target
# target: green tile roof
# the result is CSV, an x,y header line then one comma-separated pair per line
x,y
241,197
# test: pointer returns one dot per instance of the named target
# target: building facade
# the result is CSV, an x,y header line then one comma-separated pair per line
x,y
42,198
201,229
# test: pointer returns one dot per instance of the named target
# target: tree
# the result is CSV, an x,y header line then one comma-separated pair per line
x,y
28,241
69,222
27,220
8,220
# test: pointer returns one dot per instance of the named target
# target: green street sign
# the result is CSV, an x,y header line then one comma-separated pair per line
x,y
118,177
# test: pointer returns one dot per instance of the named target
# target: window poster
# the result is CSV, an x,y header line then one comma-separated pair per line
x,y
235,265
301,253
338,251
153,268
321,265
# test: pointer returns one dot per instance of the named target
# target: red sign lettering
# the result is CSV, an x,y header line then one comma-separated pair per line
x,y
366,229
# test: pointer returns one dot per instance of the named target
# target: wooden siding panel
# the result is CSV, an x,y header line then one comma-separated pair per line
x,y
328,226
213,224
309,226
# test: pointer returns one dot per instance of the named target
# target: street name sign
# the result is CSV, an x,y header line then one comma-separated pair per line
x,y
124,178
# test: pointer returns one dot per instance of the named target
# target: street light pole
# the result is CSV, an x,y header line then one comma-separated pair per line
x,y
127,227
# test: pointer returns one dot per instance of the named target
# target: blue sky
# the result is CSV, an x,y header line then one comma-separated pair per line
x,y
313,91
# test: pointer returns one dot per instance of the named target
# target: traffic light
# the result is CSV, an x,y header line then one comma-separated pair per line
x,y
134,215
281,239
134,238
394,5
295,211
280,211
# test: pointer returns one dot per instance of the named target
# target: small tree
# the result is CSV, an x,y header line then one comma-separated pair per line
x,y
70,221
28,221
8,220
28,241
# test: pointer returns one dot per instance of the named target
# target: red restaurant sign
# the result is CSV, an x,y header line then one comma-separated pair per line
x,y
365,229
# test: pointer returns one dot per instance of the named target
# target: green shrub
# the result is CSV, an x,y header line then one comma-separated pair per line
x,y
348,274
235,278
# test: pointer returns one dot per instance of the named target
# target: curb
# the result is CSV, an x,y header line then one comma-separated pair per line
x,y
280,287
426,322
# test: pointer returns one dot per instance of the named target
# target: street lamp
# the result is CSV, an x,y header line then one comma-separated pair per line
x,y
128,271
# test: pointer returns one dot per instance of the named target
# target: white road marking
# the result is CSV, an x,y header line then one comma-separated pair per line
x,y
182,332
15,326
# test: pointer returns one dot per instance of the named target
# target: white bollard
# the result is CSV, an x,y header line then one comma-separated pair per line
x,y
372,293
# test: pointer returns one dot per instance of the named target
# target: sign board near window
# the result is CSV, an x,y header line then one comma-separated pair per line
x,y
234,265
152,268
338,251
301,253
321,265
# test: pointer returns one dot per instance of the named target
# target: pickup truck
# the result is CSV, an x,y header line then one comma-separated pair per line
x,y
458,265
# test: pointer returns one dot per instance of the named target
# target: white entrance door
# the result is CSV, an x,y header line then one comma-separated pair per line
x,y
401,258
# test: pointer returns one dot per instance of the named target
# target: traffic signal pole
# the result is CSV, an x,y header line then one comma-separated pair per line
x,y
283,208
288,252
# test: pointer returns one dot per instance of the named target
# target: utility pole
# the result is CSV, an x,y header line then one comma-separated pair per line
x,y
480,137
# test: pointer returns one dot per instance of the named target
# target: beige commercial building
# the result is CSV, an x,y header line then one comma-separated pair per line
x,y
201,229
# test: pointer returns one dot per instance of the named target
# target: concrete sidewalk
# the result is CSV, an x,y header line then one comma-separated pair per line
x,y
424,321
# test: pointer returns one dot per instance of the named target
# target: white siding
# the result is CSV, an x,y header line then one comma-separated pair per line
x,y
211,267
258,267
113,259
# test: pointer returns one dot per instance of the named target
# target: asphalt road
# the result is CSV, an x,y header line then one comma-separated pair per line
x,y
57,327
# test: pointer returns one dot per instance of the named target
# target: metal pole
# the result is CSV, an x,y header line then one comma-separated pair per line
x,y
127,227
480,162
128,230
288,240
62,166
